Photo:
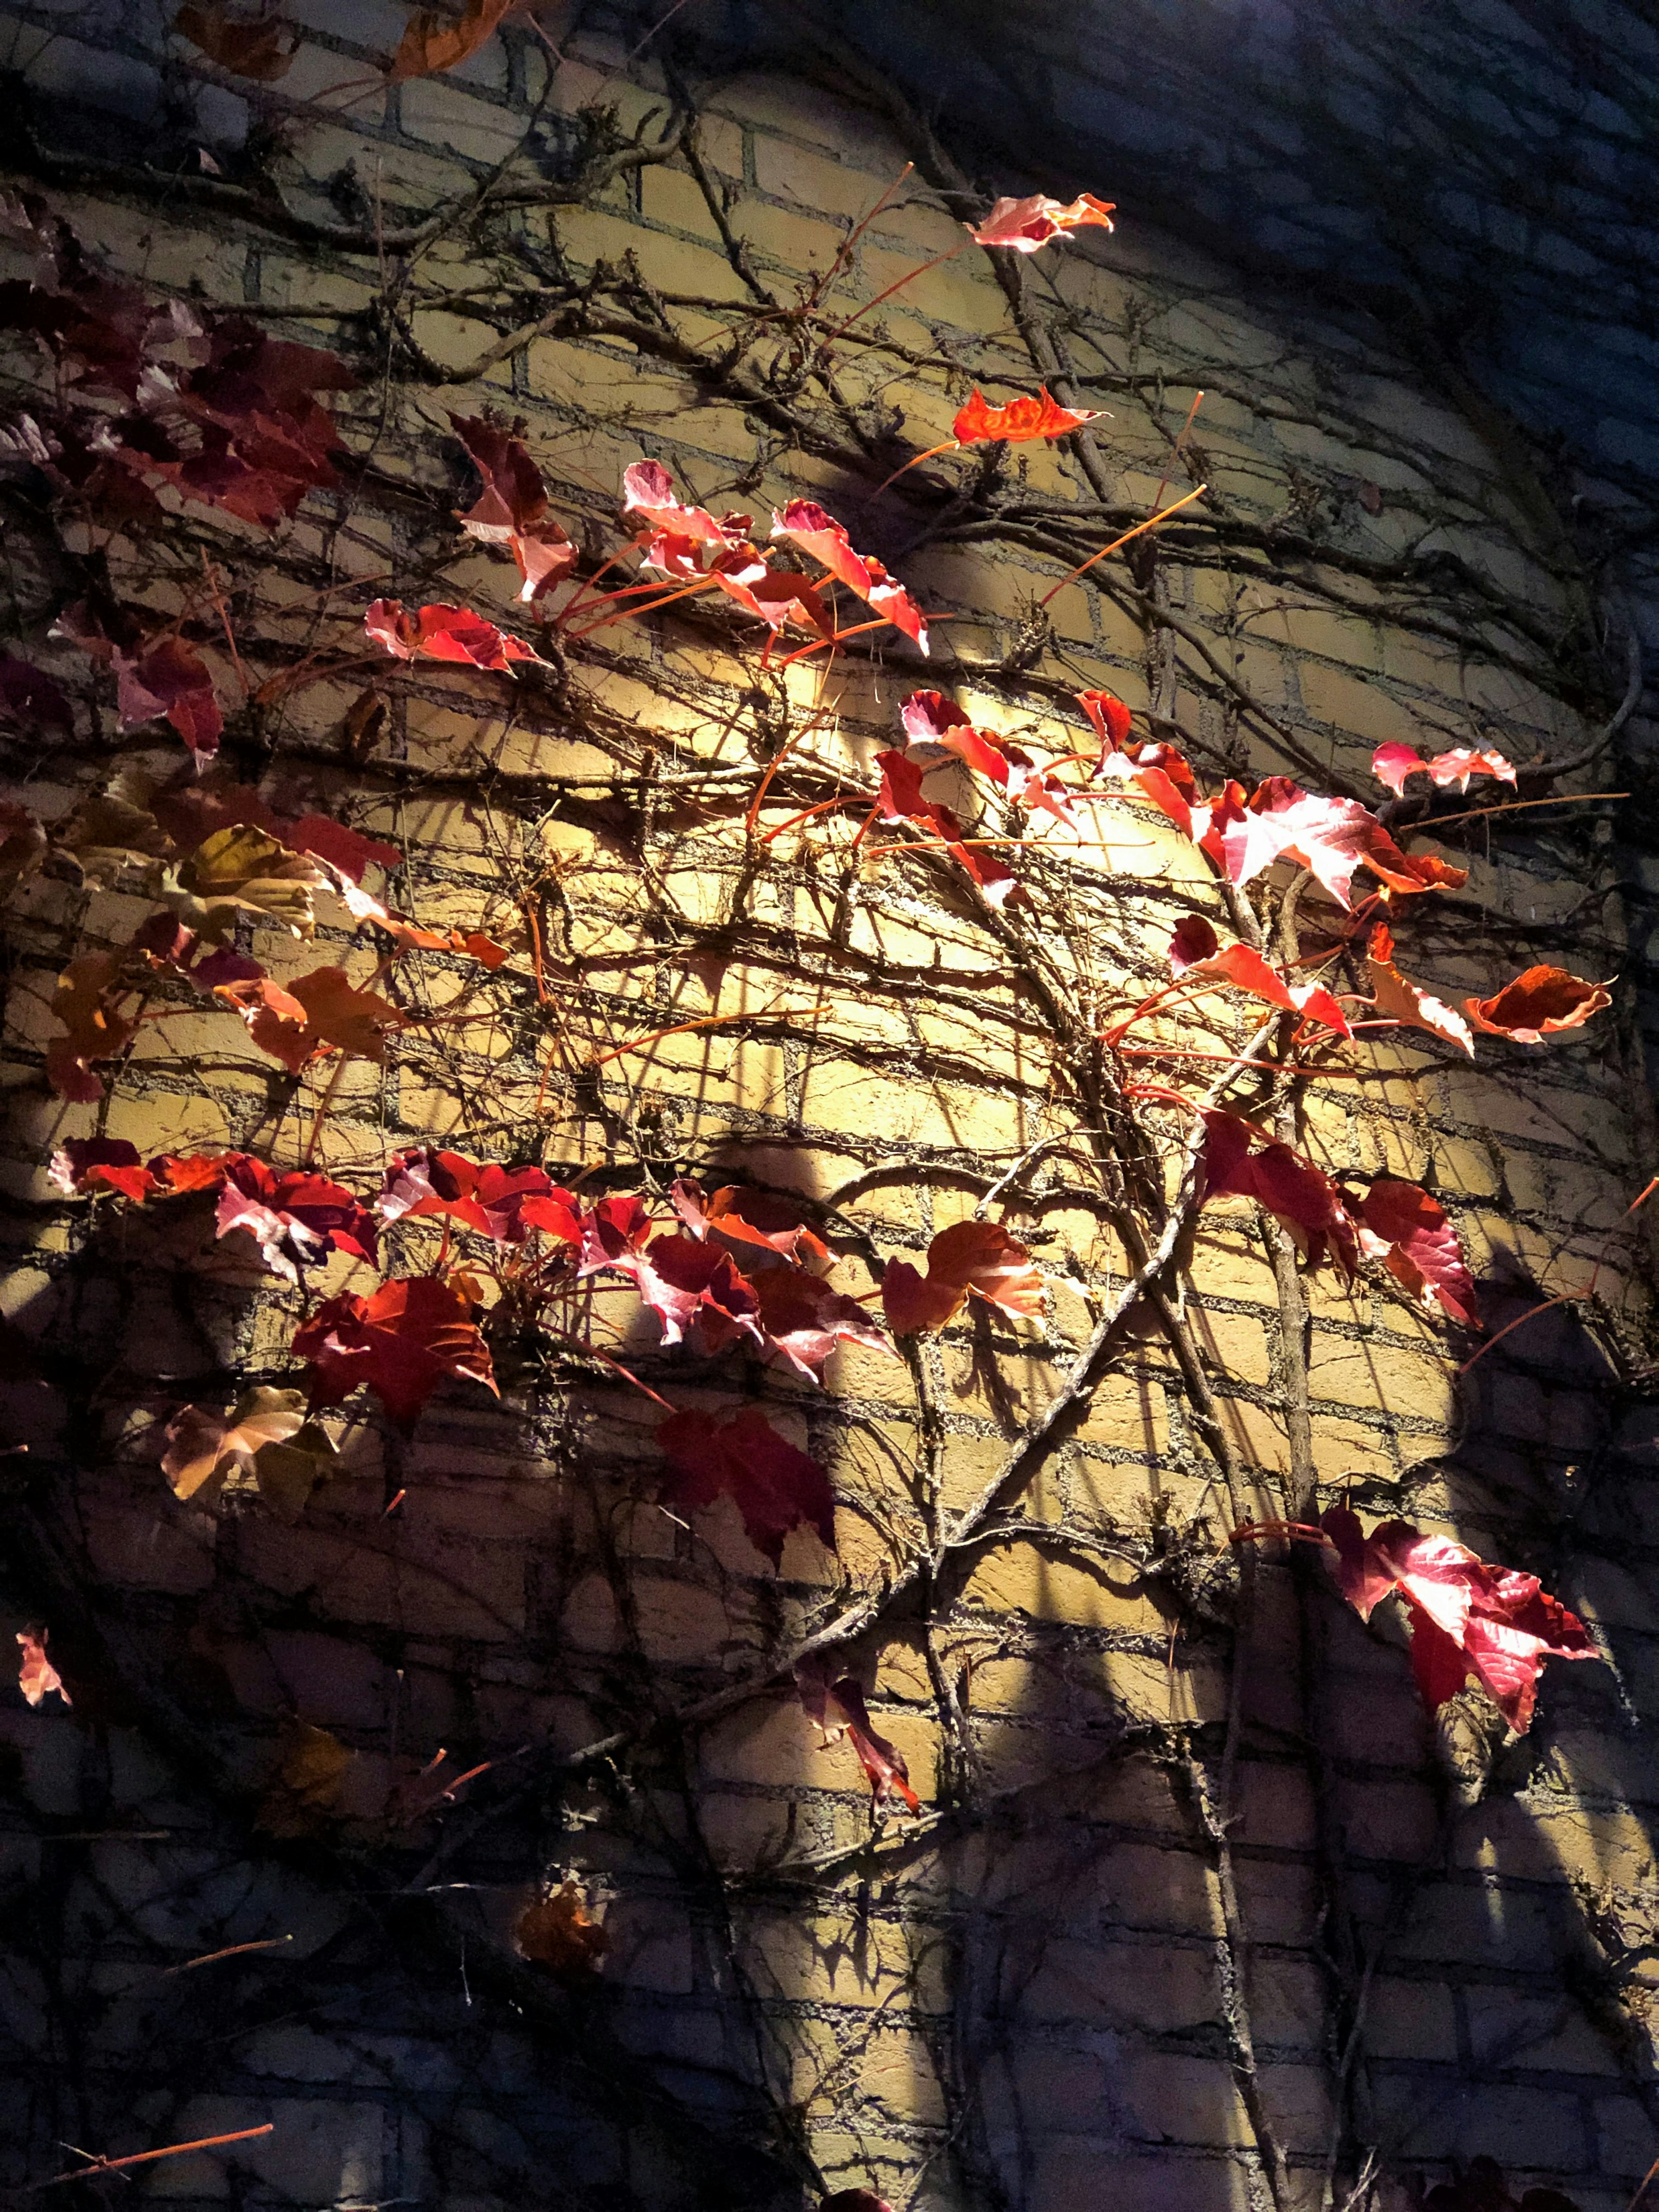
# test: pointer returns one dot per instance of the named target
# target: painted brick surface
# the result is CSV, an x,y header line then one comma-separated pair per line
x,y
1023,1998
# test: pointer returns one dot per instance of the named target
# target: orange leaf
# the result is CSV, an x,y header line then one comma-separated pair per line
x,y
1537,1003
556,1932
978,423
1401,1001
971,1256
36,1675
432,44
252,49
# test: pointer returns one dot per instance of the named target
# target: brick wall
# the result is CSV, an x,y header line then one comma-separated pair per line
x,y
1023,1998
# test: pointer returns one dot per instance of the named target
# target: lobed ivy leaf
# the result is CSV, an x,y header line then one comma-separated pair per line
x,y
775,1486
503,1204
976,1256
432,44
261,47
267,1434
817,532
401,1342
1409,1231
1399,1000
443,633
513,508
1395,764
1466,1617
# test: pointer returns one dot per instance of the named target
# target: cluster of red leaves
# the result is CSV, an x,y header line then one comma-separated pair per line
x,y
295,1219
160,394
834,1699
1398,1222
696,547
402,1341
1023,225
1468,1618
1395,764
440,632
216,853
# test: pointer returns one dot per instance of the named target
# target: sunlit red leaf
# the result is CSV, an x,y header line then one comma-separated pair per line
x,y
1392,764
937,729
401,1342
513,510
802,1320
177,1174
36,1678
1331,837
1399,1000
1500,1622
500,1203
432,44
900,800
1158,772
648,491
980,1256
775,1486
1111,718
295,1219
817,532
1409,1231
1025,225
84,1164
745,1217
1539,1002
834,1701
1283,1181
556,1932
261,47
979,423
443,633
84,1003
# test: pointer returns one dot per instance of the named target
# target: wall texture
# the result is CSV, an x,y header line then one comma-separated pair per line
x,y
1068,1980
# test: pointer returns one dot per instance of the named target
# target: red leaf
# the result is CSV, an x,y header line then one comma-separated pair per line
x,y
1022,418
176,1175
83,1164
648,490
901,798
1111,720
28,694
818,534
741,1216
1297,1193
1401,1001
513,509
1331,837
1392,764
1539,1002
443,633
1500,1624
1025,225
252,49
937,728
1158,772
169,679
36,1678
803,1320
295,1219
834,1701
774,1487
492,1199
83,1002
434,43
971,1256
1409,1231
402,1341
348,850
